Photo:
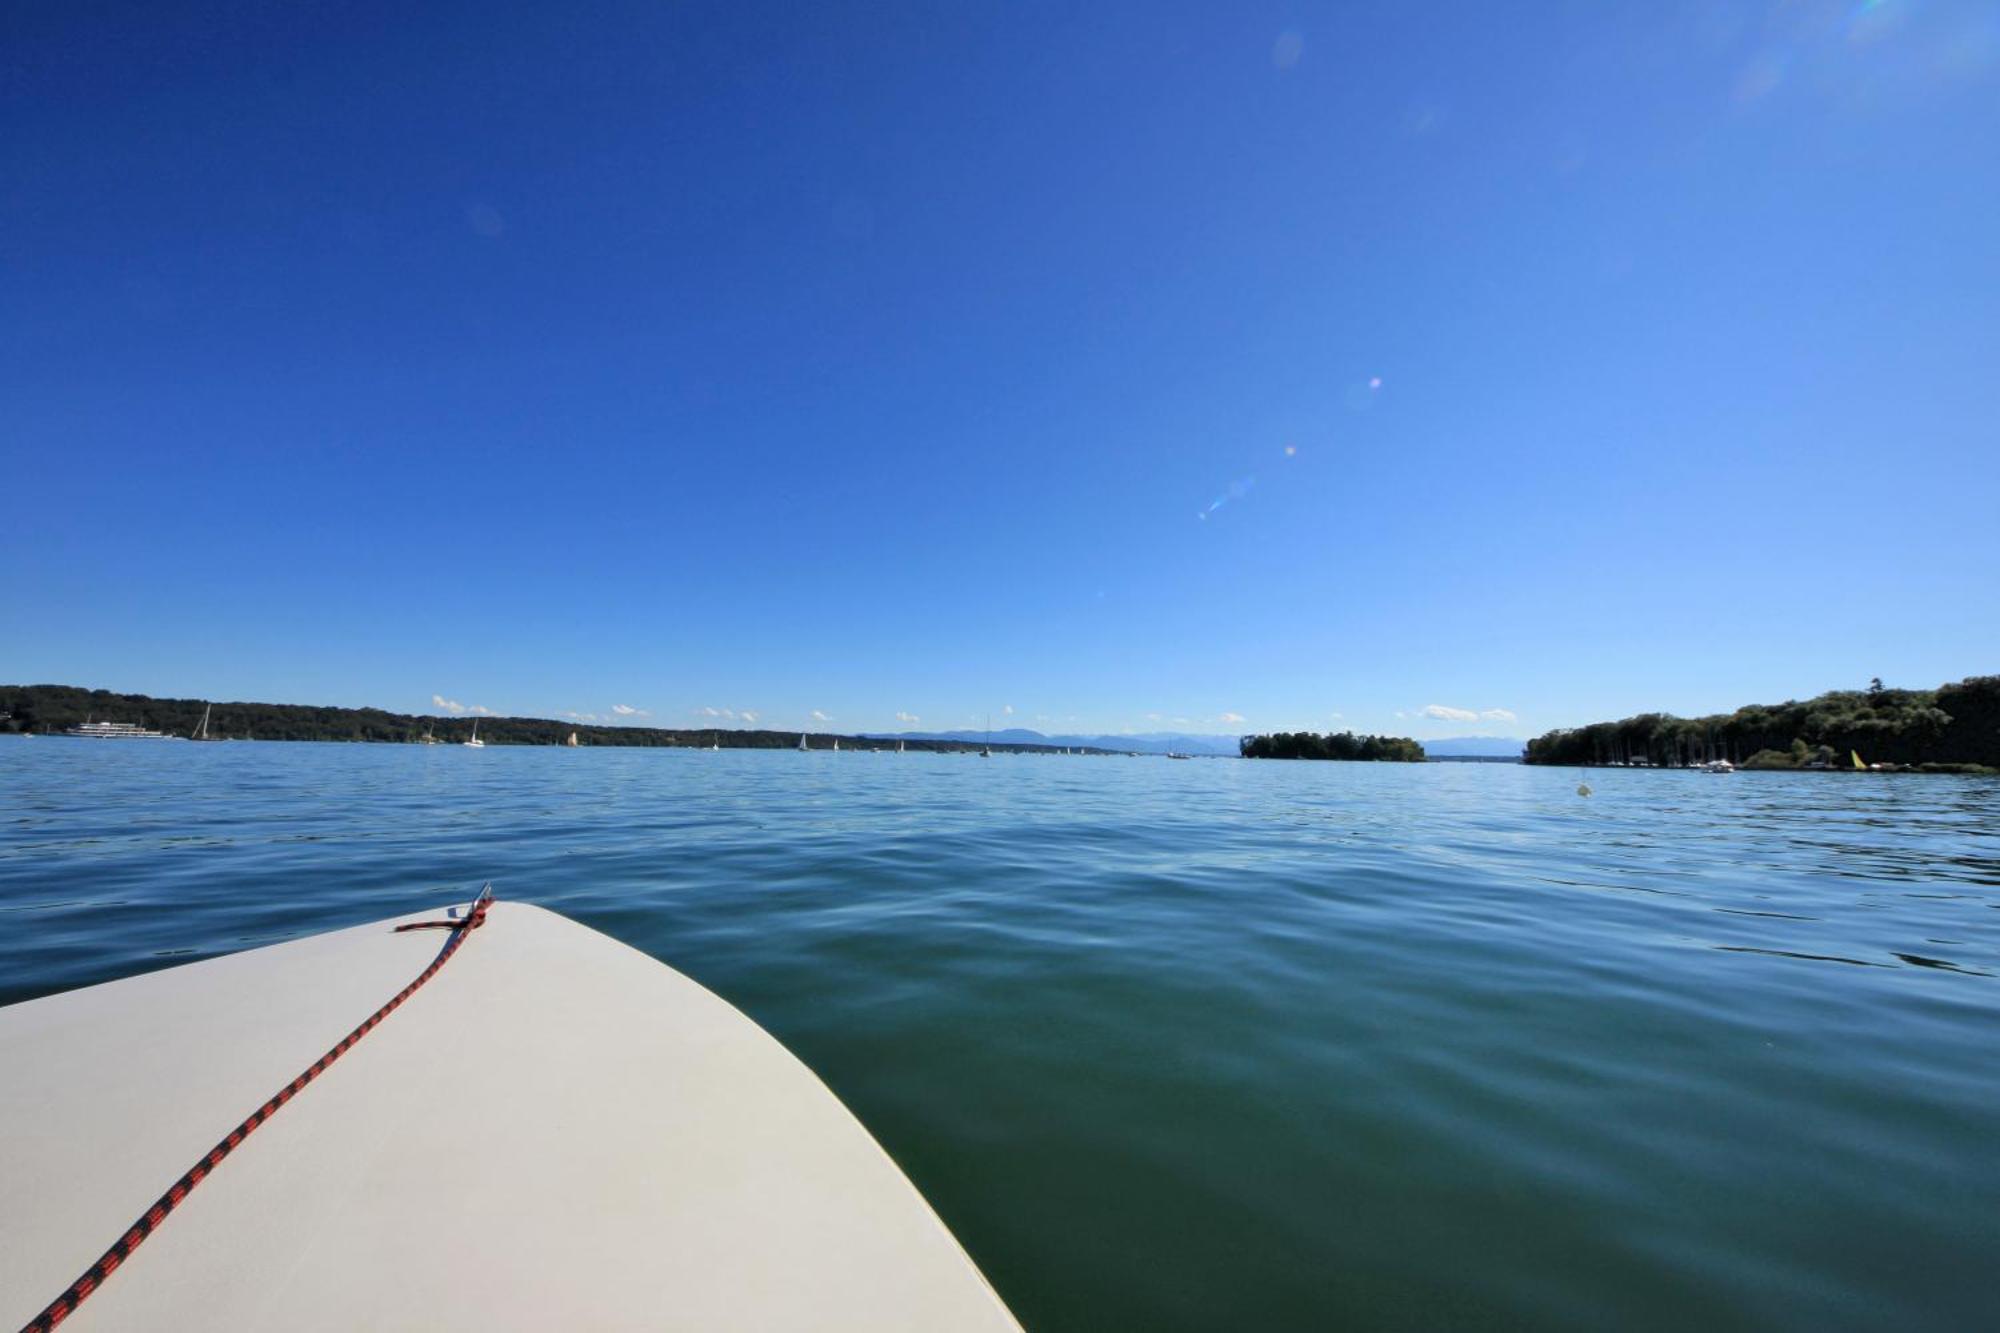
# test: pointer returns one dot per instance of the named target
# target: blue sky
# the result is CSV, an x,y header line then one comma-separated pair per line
x,y
1254,365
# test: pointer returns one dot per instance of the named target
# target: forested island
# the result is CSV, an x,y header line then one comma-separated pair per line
x,y
1952,729
51,709
1345,745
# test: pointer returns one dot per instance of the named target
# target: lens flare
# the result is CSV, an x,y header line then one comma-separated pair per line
x,y
1236,491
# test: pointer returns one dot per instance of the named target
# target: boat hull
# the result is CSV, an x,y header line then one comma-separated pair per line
x,y
556,1131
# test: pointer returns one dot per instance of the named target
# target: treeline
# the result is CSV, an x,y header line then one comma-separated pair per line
x,y
1345,745
1946,729
52,709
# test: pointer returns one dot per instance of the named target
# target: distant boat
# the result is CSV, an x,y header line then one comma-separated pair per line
x,y
1176,754
475,742
899,747
201,732
986,750
430,734
571,742
1855,755
802,742
117,731
715,742
1718,766
836,744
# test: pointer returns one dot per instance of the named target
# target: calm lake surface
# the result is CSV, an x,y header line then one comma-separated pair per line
x,y
1215,1044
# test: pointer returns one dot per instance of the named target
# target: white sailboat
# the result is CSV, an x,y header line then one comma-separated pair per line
x,y
201,732
802,742
899,747
836,745
715,742
475,743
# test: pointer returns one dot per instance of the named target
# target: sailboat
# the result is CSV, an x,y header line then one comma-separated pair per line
x,y
836,745
986,750
1855,755
201,732
475,742
715,741
899,747
571,742
802,742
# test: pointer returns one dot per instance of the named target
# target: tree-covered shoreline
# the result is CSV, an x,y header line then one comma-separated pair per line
x,y
1954,728
1342,745
51,709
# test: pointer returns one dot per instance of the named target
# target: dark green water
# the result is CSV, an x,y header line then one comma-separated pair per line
x,y
1216,1044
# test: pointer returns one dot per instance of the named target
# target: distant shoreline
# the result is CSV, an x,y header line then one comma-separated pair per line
x,y
50,710
1954,728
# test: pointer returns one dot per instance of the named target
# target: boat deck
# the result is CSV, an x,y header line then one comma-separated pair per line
x,y
557,1131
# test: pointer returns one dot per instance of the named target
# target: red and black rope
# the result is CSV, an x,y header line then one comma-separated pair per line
x,y
94,1277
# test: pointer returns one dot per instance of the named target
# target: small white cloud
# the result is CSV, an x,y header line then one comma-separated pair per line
x,y
1006,710
1499,715
627,710
908,717
1445,713
1230,717
1401,713
448,705
818,716
1152,717
1337,716
747,715
582,717
729,713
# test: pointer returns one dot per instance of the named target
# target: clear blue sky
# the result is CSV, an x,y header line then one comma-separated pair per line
x,y
1566,359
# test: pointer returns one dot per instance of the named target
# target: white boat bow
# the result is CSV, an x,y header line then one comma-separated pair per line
x,y
556,1131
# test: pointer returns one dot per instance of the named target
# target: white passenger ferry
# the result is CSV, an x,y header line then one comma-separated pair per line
x,y
118,731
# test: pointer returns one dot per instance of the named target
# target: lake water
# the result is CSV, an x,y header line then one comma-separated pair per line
x,y
1212,1045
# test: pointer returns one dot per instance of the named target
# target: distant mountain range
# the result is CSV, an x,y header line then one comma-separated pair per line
x,y
1147,742
1479,746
